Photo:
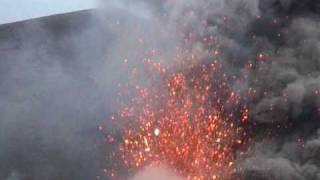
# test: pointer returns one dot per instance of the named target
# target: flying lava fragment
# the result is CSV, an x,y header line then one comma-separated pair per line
x,y
190,121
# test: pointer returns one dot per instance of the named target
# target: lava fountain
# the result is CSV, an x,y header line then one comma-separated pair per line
x,y
189,120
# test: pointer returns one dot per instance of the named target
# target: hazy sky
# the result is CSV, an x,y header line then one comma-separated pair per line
x,y
16,10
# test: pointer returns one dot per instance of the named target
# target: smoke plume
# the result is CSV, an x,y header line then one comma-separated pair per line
x,y
59,78
285,105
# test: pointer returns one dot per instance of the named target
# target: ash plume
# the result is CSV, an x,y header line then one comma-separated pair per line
x,y
59,78
285,108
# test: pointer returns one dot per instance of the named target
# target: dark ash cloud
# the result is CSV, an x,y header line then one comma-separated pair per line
x,y
59,80
285,107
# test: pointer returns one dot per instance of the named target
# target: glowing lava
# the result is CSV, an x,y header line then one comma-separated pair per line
x,y
191,122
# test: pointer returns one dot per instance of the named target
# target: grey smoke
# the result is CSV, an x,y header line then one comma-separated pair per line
x,y
59,80
285,108
50,103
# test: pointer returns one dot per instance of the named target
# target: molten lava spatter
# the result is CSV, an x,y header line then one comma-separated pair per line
x,y
191,122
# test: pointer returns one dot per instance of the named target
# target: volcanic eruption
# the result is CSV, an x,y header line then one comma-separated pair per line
x,y
204,114
163,89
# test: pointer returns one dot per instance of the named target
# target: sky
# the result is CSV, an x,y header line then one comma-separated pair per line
x,y
17,10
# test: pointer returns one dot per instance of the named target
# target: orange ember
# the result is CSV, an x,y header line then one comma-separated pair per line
x,y
191,122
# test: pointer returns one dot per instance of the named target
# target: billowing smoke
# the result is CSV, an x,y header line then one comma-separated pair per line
x,y
51,100
280,41
59,80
